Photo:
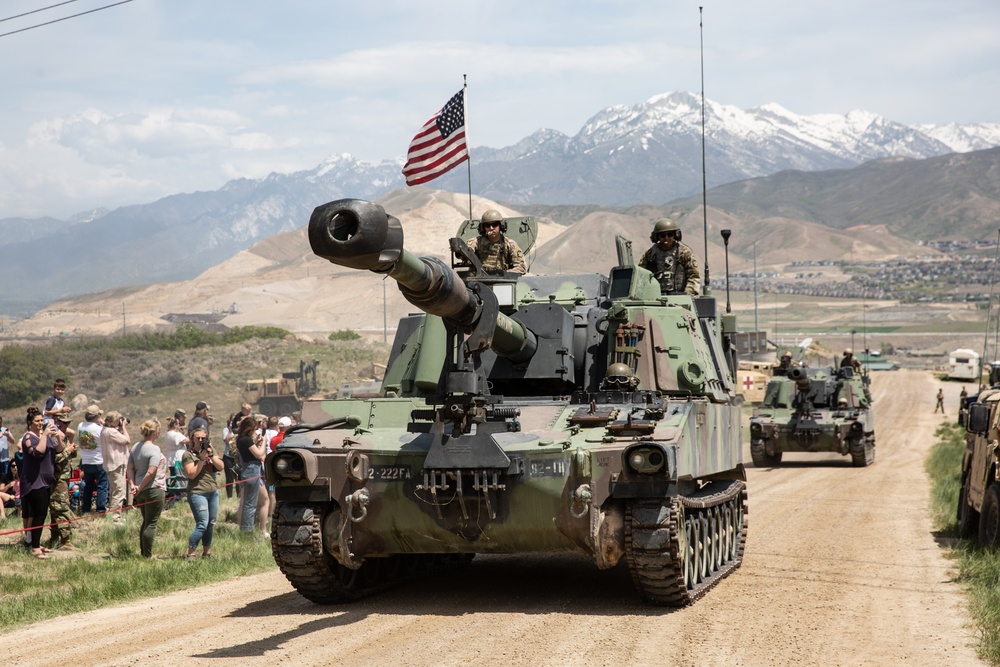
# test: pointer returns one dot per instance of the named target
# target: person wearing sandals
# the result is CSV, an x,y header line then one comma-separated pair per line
x,y
200,465
147,460
39,447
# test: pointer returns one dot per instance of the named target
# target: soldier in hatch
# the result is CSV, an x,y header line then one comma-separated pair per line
x,y
848,361
495,251
619,378
781,368
672,262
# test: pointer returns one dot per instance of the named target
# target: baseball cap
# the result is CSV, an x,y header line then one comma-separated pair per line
x,y
63,417
284,421
202,405
92,412
180,411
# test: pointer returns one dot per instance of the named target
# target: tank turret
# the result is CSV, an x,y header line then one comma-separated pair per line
x,y
518,414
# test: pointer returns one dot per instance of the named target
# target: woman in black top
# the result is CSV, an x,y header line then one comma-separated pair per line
x,y
39,446
252,451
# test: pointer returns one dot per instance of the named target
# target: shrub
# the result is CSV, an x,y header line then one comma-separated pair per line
x,y
345,334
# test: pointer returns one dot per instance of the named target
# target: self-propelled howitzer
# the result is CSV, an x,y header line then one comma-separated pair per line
x,y
518,414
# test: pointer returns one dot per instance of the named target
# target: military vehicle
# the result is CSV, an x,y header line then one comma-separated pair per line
x,y
979,497
814,410
284,395
518,414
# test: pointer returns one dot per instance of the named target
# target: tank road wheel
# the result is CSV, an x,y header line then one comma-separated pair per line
x,y
968,518
677,549
989,517
761,459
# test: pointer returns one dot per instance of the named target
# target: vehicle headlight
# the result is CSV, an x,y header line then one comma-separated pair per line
x,y
646,460
289,466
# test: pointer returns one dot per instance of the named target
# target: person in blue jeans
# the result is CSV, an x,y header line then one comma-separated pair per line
x,y
95,477
200,465
252,450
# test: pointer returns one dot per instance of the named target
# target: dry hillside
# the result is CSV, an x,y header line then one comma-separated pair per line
x,y
280,282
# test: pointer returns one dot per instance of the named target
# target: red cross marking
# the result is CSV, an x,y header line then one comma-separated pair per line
x,y
747,383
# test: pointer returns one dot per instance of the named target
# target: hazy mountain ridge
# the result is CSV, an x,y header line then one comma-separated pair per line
x,y
646,154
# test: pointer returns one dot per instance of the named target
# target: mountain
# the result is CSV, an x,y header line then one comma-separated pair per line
x,y
649,154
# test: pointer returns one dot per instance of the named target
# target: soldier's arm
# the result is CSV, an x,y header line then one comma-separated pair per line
x,y
693,285
516,259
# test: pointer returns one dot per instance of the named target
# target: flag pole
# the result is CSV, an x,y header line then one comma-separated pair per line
x,y
468,146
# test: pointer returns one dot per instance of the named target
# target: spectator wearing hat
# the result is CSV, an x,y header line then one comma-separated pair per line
x,y
200,419
283,425
175,444
61,530
115,448
181,415
95,479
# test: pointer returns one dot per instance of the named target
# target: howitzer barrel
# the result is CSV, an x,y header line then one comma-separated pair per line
x,y
360,235
801,378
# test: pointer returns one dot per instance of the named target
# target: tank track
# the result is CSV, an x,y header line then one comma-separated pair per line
x,y
761,459
297,547
863,451
678,549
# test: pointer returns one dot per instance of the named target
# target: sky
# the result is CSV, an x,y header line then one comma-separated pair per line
x,y
155,97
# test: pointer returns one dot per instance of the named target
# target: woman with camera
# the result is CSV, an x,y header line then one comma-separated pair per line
x,y
148,467
200,465
39,446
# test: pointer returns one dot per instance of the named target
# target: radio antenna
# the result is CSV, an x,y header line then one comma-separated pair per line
x,y
704,188
989,308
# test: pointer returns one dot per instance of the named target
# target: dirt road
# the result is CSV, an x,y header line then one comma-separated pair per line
x,y
841,568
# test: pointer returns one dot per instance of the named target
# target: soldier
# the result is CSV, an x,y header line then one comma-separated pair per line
x,y
672,262
781,368
940,402
848,360
619,378
495,250
61,530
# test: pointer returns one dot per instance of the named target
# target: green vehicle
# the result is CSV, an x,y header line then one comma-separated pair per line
x,y
814,410
518,414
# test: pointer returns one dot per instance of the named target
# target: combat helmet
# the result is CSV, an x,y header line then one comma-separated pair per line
x,y
620,377
664,225
492,215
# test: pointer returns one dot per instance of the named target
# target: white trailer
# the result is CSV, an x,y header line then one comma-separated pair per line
x,y
965,364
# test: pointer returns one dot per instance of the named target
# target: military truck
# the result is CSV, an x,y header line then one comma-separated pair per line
x,y
814,410
518,414
979,497
284,395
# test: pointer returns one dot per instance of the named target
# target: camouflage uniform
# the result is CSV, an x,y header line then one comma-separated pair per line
x,y
676,269
59,509
505,255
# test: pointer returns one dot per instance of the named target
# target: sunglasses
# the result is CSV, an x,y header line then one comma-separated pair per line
x,y
491,225
666,235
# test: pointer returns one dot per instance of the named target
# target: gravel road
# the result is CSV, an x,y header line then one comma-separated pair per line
x,y
841,568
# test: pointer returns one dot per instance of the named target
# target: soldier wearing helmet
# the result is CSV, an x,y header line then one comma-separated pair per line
x,y
782,366
672,262
495,250
619,378
848,360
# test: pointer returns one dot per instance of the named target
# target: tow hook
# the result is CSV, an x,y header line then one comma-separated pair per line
x,y
581,498
358,499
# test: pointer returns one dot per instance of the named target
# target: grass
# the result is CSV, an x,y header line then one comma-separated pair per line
x,y
108,569
979,569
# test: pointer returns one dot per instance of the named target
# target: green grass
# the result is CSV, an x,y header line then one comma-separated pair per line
x,y
108,570
979,569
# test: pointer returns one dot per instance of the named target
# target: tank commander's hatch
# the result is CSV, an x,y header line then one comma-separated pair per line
x,y
523,230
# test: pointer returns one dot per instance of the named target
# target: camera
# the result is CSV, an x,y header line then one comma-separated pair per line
x,y
126,420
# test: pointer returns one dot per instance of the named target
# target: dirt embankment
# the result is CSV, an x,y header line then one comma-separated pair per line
x,y
841,569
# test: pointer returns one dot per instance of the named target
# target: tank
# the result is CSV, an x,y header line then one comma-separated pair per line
x,y
814,410
518,414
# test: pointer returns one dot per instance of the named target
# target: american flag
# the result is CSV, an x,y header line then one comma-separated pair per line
x,y
439,145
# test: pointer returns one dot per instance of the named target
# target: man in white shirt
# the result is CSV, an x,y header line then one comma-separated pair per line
x,y
91,462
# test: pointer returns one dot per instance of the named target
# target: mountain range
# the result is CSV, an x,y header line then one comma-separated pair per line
x,y
647,154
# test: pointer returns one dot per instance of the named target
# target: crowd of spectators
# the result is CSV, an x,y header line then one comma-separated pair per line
x,y
40,474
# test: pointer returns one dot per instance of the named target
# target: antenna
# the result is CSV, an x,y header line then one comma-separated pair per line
x,y
725,240
989,307
704,187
